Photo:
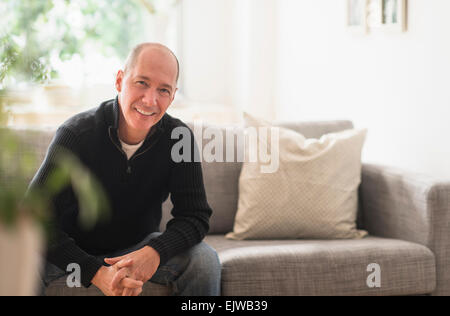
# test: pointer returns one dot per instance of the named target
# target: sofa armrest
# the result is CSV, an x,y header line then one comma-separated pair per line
x,y
409,206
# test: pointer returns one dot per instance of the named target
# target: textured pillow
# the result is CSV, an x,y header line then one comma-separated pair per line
x,y
313,193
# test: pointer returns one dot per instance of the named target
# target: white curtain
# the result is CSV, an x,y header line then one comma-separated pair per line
x,y
229,54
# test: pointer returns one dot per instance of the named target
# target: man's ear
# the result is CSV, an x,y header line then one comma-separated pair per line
x,y
119,80
173,95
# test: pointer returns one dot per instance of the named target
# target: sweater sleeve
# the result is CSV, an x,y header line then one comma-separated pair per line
x,y
61,249
190,212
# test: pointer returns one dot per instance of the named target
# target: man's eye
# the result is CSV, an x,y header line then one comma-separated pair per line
x,y
142,83
165,91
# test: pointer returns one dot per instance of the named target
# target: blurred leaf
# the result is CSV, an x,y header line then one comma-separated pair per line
x,y
92,200
58,179
16,165
25,55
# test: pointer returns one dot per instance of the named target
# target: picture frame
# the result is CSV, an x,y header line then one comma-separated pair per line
x,y
357,15
393,15
385,15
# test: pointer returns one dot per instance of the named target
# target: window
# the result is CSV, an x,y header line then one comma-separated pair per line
x,y
72,49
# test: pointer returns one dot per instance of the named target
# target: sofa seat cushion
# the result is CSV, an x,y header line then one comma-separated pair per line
x,y
323,267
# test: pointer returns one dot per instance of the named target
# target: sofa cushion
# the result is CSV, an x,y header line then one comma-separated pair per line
x,y
323,267
308,267
221,178
312,194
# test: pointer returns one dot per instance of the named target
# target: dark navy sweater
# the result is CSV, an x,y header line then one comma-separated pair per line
x,y
136,189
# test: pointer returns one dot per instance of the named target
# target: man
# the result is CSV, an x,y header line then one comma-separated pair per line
x,y
126,143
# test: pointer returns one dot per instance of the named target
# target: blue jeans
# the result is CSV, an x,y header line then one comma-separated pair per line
x,y
195,272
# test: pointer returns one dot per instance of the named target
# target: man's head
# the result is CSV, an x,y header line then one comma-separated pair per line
x,y
146,87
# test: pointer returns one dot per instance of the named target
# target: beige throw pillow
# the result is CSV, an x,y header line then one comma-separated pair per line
x,y
313,194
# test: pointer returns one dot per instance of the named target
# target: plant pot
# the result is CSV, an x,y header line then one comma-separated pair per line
x,y
20,260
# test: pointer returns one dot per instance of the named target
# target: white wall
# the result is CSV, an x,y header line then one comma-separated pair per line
x,y
396,85
296,60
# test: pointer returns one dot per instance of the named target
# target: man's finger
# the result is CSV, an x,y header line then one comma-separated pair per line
x,y
124,263
132,292
112,261
118,292
127,292
131,283
122,273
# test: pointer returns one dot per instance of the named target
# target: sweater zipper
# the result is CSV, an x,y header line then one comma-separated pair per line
x,y
156,136
141,153
151,145
121,150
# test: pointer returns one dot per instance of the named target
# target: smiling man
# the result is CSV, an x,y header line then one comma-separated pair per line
x,y
146,88
126,143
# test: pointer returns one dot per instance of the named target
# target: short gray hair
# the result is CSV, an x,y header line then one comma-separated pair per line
x,y
134,54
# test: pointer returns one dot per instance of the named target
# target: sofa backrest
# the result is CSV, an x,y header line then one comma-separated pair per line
x,y
34,142
220,178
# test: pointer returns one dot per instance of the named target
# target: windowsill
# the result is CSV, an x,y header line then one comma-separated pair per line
x,y
48,111
214,114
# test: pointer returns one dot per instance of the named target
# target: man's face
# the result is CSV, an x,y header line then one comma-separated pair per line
x,y
147,89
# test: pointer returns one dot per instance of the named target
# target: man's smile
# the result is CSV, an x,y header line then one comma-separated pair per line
x,y
144,112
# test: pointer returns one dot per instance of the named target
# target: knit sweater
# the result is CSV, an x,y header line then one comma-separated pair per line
x,y
136,189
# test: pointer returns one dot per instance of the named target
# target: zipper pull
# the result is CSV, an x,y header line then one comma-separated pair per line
x,y
129,170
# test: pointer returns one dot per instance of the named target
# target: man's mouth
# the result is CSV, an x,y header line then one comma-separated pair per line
x,y
145,113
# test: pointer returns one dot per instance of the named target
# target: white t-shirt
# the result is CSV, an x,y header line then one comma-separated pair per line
x,y
130,149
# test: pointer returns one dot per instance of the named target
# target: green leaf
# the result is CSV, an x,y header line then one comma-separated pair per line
x,y
92,200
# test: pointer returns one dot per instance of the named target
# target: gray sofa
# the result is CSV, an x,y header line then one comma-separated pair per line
x,y
407,216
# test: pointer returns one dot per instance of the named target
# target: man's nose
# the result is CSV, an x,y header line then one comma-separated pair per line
x,y
150,97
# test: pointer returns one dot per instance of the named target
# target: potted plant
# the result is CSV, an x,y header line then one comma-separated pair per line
x,y
25,215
